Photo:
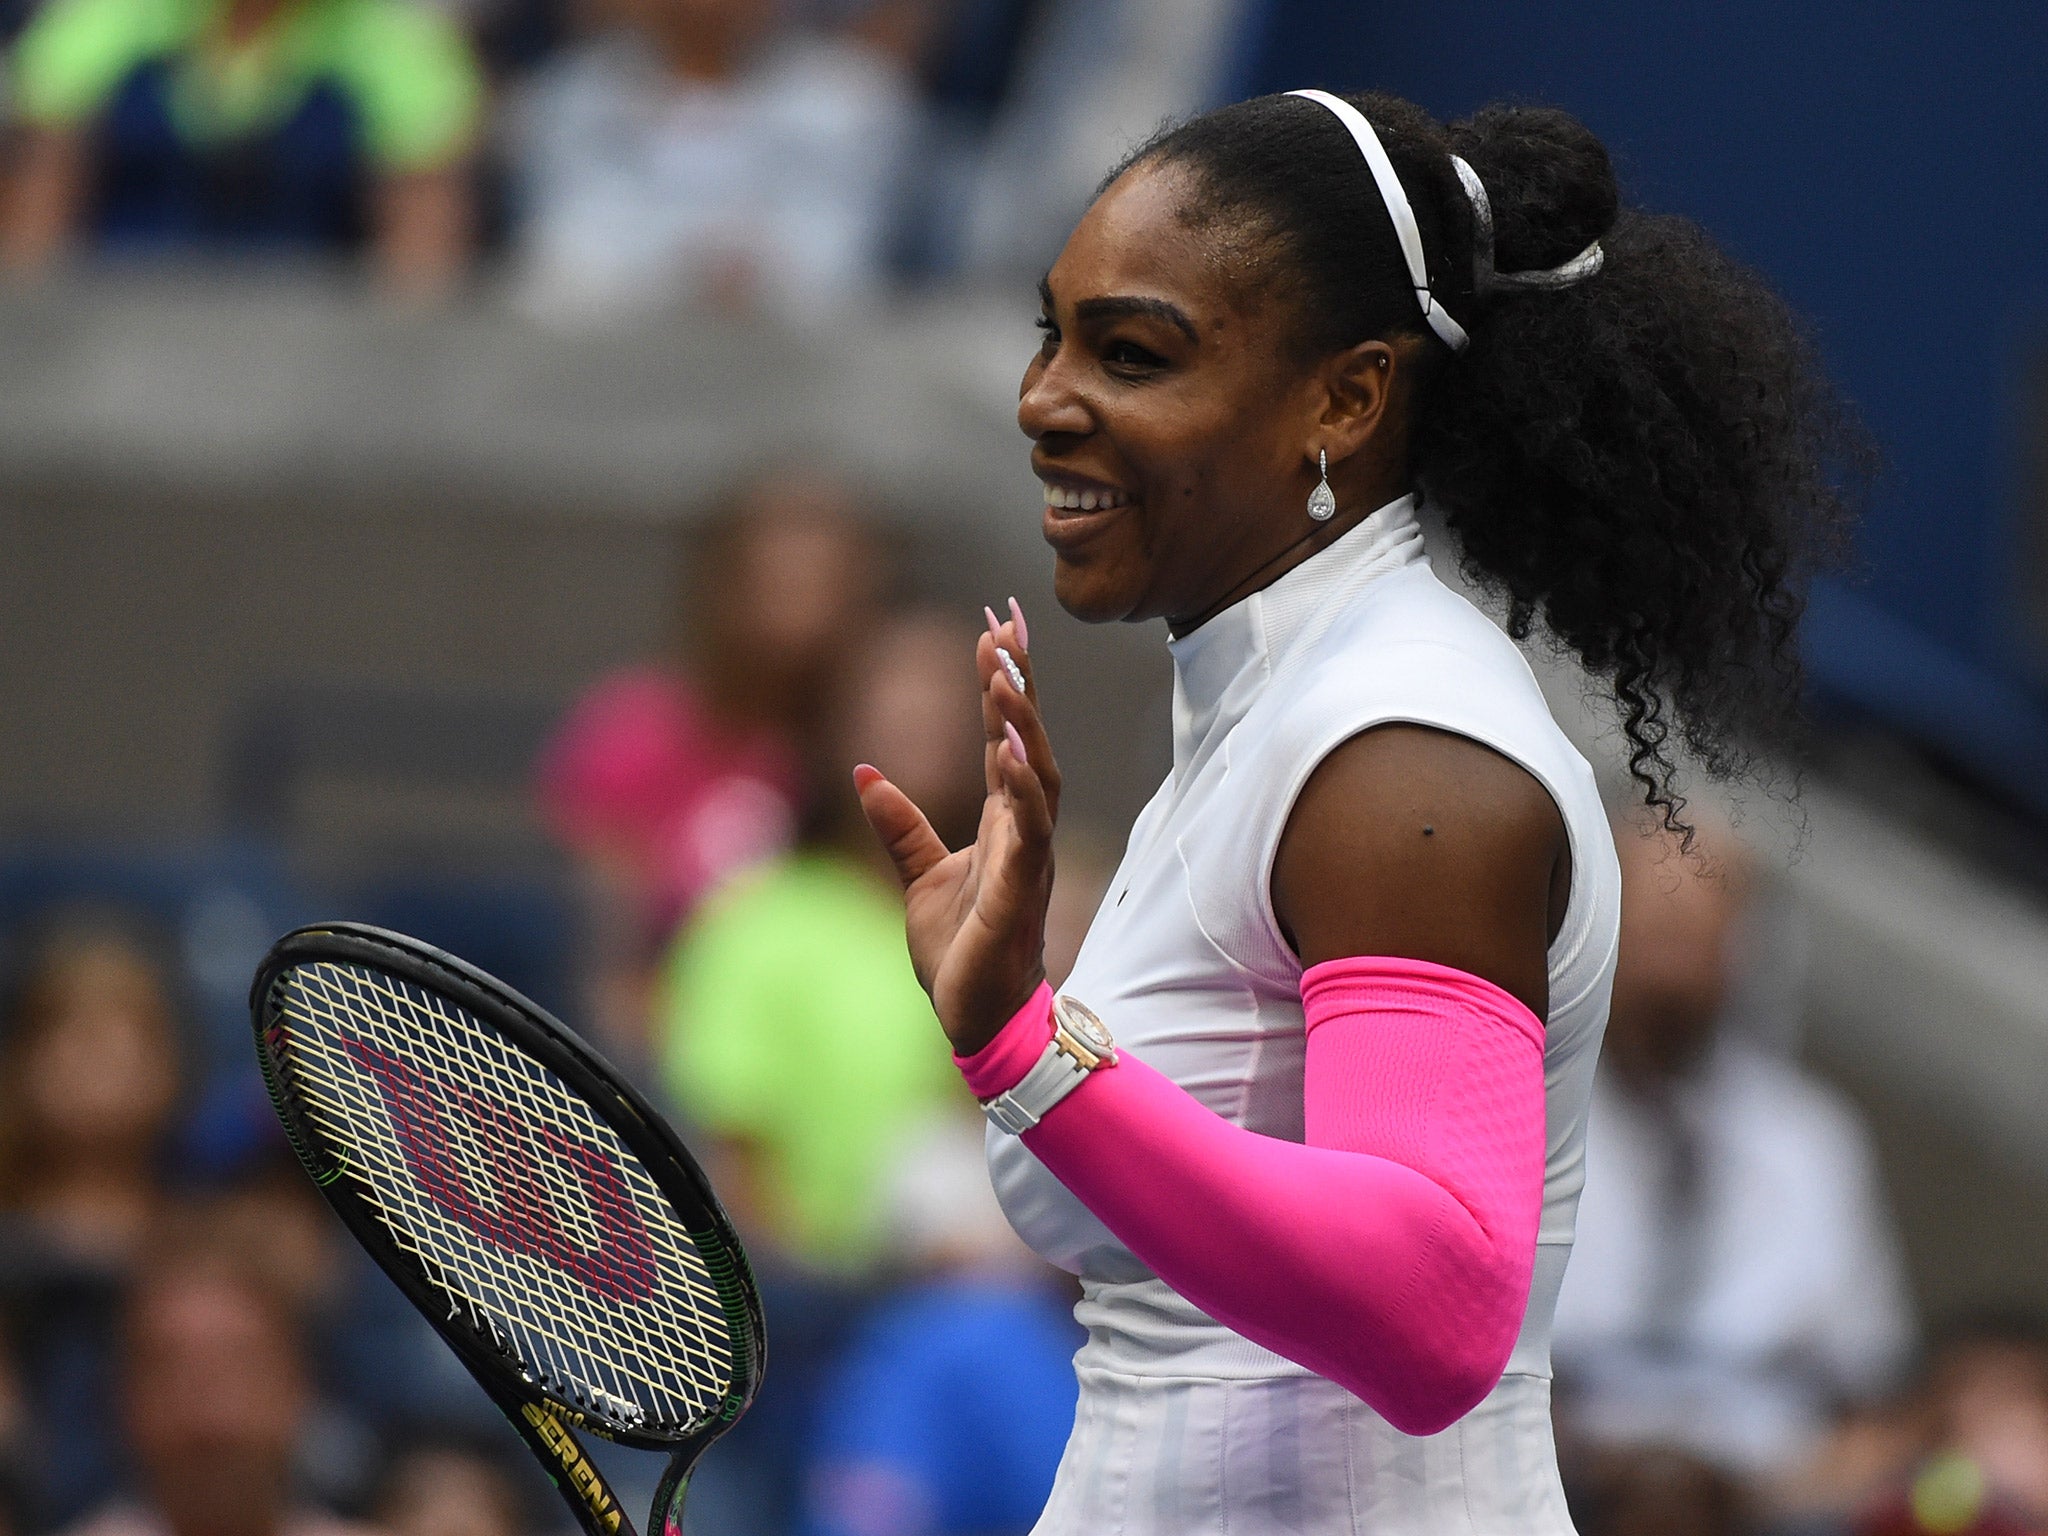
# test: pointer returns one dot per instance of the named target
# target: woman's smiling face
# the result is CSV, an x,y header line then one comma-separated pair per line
x,y
1172,427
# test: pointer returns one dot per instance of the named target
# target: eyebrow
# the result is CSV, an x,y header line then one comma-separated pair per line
x,y
1120,307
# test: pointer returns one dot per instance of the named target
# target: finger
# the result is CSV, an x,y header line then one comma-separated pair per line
x,y
906,835
995,679
1016,853
1004,661
1019,712
1007,638
986,665
1013,662
1000,660
1024,789
1016,634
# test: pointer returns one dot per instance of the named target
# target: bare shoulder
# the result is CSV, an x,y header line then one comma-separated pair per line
x,y
1419,843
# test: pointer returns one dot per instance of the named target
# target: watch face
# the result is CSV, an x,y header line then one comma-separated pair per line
x,y
1079,1021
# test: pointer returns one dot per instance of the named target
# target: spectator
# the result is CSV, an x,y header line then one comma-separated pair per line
x,y
1736,1272
1657,1491
708,151
1983,1470
1091,80
270,1208
438,1486
216,1393
246,125
269,1212
668,777
89,1078
793,1027
16,1456
89,1081
948,1414
1864,1456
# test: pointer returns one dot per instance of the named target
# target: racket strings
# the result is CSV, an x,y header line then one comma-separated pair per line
x,y
530,1325
514,1197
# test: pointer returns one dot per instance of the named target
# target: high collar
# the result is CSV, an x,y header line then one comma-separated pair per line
x,y
1219,669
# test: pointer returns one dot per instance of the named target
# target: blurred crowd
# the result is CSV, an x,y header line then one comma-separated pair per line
x,y
603,157
192,1348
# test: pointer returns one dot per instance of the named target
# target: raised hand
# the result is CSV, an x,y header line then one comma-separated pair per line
x,y
976,917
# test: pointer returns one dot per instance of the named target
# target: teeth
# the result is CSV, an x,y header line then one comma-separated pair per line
x,y
1083,501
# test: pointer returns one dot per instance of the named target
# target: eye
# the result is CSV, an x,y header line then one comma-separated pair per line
x,y
1129,355
1049,334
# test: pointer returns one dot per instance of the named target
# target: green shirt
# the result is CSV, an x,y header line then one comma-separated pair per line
x,y
403,64
790,1018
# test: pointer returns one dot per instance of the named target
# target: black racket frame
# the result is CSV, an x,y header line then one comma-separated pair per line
x,y
543,1422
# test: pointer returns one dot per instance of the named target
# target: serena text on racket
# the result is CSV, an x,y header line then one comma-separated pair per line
x,y
582,1474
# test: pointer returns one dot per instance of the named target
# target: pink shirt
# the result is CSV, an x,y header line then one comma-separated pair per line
x,y
639,774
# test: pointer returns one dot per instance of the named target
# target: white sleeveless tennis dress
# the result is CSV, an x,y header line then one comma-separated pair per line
x,y
1186,1428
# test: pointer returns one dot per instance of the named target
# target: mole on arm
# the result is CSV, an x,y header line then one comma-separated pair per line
x,y
1428,830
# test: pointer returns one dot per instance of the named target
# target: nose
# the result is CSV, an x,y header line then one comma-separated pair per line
x,y
1048,401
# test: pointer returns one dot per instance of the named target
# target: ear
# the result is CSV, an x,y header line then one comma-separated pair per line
x,y
1361,389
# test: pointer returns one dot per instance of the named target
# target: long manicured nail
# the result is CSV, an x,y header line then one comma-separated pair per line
x,y
1016,742
1023,630
995,625
1010,669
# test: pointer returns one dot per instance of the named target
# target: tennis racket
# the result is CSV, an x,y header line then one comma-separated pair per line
x,y
543,1217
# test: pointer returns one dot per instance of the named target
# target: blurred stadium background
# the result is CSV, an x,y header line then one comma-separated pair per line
x,y
339,466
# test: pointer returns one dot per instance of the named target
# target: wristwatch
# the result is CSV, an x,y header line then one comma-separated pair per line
x,y
1080,1044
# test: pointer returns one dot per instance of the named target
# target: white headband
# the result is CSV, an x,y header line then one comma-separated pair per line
x,y
1484,278
1396,199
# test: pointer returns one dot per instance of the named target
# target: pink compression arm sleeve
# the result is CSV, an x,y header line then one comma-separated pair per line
x,y
1392,1251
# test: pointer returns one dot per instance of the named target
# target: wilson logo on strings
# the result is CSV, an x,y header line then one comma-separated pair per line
x,y
518,1216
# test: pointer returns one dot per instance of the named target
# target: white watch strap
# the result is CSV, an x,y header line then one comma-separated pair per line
x,y
1051,1078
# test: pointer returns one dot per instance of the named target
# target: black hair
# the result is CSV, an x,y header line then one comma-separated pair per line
x,y
1648,464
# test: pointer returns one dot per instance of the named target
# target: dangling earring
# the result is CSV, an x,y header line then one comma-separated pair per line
x,y
1322,501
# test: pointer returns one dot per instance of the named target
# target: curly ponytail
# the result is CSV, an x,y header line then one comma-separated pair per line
x,y
1648,464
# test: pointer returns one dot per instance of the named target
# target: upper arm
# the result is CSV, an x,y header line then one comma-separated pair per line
x,y
1417,843
42,203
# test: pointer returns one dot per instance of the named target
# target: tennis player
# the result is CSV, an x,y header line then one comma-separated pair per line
x,y
1307,1119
